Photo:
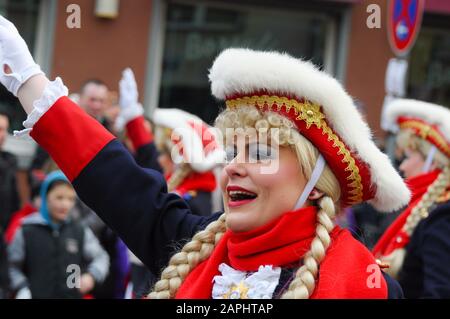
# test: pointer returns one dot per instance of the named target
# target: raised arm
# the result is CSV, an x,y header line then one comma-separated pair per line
x,y
131,200
132,119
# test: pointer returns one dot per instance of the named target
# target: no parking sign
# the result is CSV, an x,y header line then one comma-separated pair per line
x,y
404,20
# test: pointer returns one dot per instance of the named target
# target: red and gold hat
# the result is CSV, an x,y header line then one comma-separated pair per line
x,y
322,112
428,121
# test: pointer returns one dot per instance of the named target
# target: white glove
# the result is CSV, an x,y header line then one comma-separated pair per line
x,y
128,100
15,54
128,89
24,293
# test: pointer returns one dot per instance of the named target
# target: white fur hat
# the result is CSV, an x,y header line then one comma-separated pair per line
x,y
322,112
428,121
199,147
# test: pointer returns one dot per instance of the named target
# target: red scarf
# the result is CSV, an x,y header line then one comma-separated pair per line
x,y
196,182
394,237
16,221
343,273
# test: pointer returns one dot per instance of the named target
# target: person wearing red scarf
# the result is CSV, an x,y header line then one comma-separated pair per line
x,y
189,153
417,244
297,152
194,182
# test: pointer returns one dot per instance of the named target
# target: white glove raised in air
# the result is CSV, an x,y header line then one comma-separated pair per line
x,y
24,293
128,89
14,53
128,100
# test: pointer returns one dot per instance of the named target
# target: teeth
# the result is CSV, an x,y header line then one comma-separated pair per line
x,y
241,195
234,193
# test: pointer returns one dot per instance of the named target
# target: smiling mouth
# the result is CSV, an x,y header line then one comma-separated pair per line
x,y
239,196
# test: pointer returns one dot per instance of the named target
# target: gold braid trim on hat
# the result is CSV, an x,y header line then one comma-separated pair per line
x,y
311,114
425,131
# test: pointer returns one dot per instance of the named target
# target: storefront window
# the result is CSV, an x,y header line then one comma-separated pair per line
x,y
196,33
23,13
429,74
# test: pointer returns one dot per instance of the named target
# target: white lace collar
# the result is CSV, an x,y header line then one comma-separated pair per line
x,y
235,284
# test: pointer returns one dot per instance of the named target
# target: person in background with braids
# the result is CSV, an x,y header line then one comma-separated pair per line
x,y
193,181
193,186
276,238
417,244
179,136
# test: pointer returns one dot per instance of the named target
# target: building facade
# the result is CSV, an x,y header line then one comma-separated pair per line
x,y
170,44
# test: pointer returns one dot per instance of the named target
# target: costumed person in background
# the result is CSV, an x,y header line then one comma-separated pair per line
x,y
131,120
277,238
189,152
194,181
417,244
48,242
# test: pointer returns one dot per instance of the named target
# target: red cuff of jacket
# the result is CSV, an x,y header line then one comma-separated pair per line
x,y
137,132
70,136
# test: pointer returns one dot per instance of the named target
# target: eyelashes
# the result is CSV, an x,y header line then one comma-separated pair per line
x,y
256,152
261,152
230,153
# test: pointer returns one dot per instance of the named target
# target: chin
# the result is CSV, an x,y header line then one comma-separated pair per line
x,y
236,224
237,229
61,217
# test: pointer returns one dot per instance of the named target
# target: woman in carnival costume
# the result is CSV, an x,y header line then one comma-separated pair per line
x,y
277,238
417,245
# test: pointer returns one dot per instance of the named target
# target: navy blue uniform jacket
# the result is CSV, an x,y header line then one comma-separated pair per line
x,y
132,200
426,268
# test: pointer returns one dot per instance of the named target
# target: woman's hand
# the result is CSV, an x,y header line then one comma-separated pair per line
x,y
17,63
24,293
19,73
128,89
128,100
87,283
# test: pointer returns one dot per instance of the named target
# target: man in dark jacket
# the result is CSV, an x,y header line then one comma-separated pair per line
x,y
9,199
4,280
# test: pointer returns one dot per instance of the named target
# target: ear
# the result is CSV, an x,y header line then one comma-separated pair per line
x,y
315,194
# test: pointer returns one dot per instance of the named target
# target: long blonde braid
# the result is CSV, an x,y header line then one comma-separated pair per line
x,y
304,283
183,262
178,176
164,144
419,212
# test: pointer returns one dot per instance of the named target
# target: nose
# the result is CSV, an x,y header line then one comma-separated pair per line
x,y
67,205
236,168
